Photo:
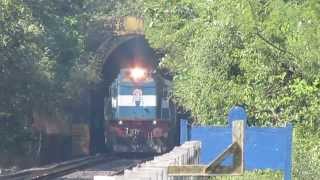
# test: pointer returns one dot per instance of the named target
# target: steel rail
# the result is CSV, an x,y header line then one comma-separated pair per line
x,y
67,167
60,169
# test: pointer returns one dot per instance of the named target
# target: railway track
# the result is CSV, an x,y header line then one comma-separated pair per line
x,y
82,168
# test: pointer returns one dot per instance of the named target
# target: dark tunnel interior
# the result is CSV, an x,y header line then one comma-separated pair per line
x,y
131,53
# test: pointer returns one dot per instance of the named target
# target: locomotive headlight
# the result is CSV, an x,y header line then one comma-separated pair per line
x,y
137,73
154,122
120,122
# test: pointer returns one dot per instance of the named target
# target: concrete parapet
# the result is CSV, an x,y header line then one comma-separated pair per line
x,y
156,169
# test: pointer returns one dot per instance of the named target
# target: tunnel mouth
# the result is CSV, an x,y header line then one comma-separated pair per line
x,y
131,53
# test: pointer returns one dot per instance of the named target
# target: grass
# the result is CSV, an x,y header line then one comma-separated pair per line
x,y
253,175
267,175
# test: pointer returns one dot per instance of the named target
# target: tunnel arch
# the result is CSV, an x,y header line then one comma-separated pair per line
x,y
123,43
130,52
116,52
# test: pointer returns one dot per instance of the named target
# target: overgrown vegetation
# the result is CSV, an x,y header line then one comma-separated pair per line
x,y
44,61
263,55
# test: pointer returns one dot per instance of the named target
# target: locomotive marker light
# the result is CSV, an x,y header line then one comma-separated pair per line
x,y
154,122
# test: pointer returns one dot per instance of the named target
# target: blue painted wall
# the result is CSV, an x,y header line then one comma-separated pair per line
x,y
265,148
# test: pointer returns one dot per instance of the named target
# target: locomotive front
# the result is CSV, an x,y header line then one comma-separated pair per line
x,y
139,116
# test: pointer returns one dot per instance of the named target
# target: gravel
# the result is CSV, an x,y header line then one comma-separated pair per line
x,y
108,169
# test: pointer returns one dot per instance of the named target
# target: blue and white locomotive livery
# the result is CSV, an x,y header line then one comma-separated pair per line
x,y
138,113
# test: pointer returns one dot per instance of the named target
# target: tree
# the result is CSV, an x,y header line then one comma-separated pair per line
x,y
41,47
263,55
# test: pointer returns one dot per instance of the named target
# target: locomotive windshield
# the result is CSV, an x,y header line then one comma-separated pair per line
x,y
136,102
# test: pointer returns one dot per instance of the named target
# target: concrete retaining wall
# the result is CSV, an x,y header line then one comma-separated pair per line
x,y
156,169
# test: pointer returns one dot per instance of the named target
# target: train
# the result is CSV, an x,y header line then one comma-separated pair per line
x,y
140,116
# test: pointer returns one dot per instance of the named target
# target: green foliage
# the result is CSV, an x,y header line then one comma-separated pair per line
x,y
43,61
21,77
263,55
245,52
253,175
306,153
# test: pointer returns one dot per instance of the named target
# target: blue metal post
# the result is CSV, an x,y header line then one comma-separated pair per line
x,y
237,113
183,131
288,163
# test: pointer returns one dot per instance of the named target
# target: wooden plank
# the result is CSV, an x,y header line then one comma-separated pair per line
x,y
198,170
222,156
186,170
215,168
238,138
236,148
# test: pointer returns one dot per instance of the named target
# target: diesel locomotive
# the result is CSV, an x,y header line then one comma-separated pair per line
x,y
139,115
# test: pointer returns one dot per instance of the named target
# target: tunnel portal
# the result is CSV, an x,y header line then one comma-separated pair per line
x,y
133,52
